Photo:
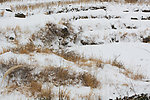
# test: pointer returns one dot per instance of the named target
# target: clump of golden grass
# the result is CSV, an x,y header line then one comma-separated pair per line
x,y
89,80
63,94
71,56
117,64
131,1
1,1
4,50
2,13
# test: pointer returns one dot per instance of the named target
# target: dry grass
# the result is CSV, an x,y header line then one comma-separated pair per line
x,y
63,94
89,80
4,51
59,3
80,60
134,76
131,1
2,13
71,56
117,64
91,96
26,82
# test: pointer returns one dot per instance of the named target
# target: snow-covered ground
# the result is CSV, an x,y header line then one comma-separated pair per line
x,y
80,51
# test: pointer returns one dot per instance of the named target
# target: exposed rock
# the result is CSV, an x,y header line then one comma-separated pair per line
x,y
8,10
135,97
146,40
113,27
132,18
20,15
11,38
145,18
145,10
126,11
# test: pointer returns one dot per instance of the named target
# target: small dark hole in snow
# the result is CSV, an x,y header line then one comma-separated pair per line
x,y
11,38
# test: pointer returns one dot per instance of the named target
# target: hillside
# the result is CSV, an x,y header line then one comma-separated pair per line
x,y
74,50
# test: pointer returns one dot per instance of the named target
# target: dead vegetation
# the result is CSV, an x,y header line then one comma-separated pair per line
x,y
53,34
63,94
89,80
131,1
34,6
134,76
24,80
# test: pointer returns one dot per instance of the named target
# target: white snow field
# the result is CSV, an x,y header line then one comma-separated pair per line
x,y
69,50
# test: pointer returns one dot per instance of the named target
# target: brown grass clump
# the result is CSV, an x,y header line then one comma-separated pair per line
x,y
57,76
131,1
4,51
32,89
117,64
63,94
26,49
71,56
89,80
46,94
2,13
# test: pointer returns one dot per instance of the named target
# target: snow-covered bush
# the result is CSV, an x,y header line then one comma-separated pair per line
x,y
54,35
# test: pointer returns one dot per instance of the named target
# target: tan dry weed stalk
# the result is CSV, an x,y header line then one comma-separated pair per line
x,y
8,72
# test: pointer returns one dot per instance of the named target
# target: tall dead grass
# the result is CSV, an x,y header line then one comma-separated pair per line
x,y
60,3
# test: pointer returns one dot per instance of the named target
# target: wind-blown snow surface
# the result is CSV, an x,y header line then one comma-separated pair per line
x,y
106,32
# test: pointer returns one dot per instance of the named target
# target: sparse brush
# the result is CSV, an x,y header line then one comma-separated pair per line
x,y
8,72
89,80
57,76
134,76
117,64
25,49
63,94
53,34
91,96
131,1
2,13
70,56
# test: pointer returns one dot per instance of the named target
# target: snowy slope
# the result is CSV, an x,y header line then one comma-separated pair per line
x,y
79,51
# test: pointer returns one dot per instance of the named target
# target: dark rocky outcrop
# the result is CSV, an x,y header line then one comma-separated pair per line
x,y
146,40
20,15
135,97
8,10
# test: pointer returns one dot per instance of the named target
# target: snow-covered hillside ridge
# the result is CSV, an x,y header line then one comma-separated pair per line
x,y
74,50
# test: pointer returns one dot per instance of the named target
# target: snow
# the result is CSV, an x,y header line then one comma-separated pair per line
x,y
116,38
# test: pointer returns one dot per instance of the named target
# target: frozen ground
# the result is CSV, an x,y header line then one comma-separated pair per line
x,y
77,51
